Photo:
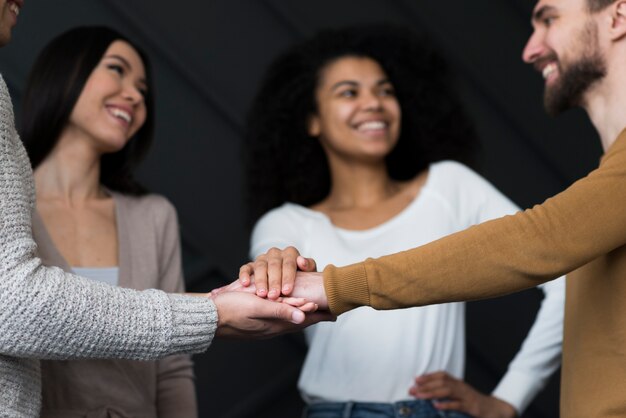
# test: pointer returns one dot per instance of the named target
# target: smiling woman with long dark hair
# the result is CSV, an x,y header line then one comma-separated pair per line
x,y
87,122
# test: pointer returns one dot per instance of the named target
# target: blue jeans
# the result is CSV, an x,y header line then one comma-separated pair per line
x,y
403,409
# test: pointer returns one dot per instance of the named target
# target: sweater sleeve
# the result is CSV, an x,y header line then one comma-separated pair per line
x,y
500,256
47,313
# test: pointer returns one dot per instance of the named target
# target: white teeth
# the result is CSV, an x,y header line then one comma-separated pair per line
x,y
548,69
119,113
372,125
15,9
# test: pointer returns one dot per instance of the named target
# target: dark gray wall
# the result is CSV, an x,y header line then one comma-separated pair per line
x,y
208,58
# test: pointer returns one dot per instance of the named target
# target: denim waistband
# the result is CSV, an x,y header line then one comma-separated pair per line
x,y
403,409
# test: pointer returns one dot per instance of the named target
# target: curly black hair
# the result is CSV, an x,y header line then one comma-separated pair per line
x,y
54,85
284,164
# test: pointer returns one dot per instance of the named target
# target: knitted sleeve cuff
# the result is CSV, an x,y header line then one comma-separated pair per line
x,y
194,322
346,287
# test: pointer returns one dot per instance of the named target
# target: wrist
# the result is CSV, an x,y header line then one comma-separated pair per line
x,y
501,409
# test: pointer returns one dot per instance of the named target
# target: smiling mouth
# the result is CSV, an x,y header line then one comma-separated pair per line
x,y
121,114
548,70
376,125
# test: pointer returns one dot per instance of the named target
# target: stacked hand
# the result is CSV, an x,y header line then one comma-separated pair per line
x,y
459,396
296,297
283,292
244,315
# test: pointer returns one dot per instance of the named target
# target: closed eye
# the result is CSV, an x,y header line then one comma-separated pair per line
x,y
387,91
547,21
116,68
348,93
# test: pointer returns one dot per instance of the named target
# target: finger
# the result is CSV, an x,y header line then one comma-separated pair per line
x,y
318,316
431,384
433,393
450,405
245,273
429,377
274,272
268,309
295,302
309,307
290,256
306,264
300,303
260,276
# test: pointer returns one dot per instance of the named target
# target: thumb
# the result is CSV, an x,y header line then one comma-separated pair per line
x,y
290,313
278,310
306,264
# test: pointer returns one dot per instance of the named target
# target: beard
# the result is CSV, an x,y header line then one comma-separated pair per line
x,y
576,77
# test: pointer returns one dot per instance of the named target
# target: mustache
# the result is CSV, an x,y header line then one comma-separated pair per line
x,y
540,63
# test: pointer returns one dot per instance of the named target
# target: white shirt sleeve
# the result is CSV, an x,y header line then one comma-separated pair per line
x,y
540,354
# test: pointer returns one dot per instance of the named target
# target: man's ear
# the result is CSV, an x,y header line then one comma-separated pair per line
x,y
314,129
618,20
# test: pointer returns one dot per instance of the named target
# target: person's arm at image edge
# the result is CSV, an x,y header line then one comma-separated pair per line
x,y
500,256
50,314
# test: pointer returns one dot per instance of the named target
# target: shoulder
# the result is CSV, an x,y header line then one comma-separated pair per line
x,y
151,206
468,193
151,202
456,177
286,225
287,222
452,169
287,213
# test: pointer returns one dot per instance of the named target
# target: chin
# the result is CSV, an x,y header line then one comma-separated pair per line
x,y
113,147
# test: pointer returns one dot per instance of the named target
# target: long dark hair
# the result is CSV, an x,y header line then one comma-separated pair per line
x,y
53,88
284,164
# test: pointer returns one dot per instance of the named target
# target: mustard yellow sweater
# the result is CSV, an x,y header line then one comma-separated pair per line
x,y
581,229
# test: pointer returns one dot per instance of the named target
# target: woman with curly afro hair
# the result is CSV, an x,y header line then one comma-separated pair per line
x,y
357,147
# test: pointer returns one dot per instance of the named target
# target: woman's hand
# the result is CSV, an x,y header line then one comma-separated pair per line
x,y
276,271
243,315
459,396
308,287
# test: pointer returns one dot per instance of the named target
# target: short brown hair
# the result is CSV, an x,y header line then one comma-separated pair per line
x,y
597,5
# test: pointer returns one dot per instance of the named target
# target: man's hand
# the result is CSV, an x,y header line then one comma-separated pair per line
x,y
276,271
244,315
459,396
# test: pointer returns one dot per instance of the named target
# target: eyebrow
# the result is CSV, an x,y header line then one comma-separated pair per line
x,y
539,13
352,83
126,63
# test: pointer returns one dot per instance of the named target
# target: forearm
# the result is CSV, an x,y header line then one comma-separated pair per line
x,y
497,257
48,313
